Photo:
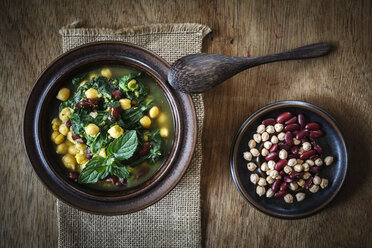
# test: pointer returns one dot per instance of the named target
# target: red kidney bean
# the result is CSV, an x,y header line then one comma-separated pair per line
x,y
295,149
283,186
75,136
115,112
295,174
110,179
313,157
143,172
283,117
289,138
283,145
117,94
312,126
282,173
315,134
276,185
294,133
270,121
73,175
292,156
308,183
287,179
292,127
274,148
118,184
318,149
315,169
272,156
307,154
304,139
144,149
301,120
290,121
301,134
280,194
68,123
280,164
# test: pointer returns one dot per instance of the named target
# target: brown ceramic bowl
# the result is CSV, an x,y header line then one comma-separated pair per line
x,y
47,164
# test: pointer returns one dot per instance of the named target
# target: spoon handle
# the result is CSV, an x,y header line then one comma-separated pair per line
x,y
304,52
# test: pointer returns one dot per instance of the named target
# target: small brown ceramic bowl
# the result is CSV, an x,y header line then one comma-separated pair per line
x,y
332,143
48,166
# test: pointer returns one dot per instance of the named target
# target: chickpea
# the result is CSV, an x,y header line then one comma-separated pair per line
x,y
145,121
324,183
80,158
247,156
162,118
72,150
63,94
102,152
265,136
301,150
296,141
273,173
254,178
93,114
288,198
292,162
293,186
257,138
106,72
300,196
299,161
54,135
301,183
92,129
271,164
314,188
318,162
264,167
69,137
55,127
64,114
63,129
154,112
69,161
310,162
270,129
298,168
125,103
287,169
252,144
260,190
262,181
278,127
306,146
306,166
278,177
269,193
164,132
317,180
306,175
251,166
59,139
56,121
281,136
81,148
328,160
255,152
91,93
115,131
274,139
264,152
283,154
261,128
61,148
268,144
270,180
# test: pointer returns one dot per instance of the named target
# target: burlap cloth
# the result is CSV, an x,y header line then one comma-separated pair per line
x,y
174,221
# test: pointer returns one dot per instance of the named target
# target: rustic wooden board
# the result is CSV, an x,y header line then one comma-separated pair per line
x,y
339,83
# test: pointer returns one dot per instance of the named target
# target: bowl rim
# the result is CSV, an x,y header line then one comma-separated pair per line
x,y
180,99
240,134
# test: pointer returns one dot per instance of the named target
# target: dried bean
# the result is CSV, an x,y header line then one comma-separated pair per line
x,y
283,145
292,120
307,154
283,117
288,179
301,120
282,173
295,149
308,183
68,123
296,175
283,186
313,157
292,156
117,94
274,148
272,156
292,127
315,134
280,194
276,185
289,138
312,126
270,121
74,176
301,134
315,169
318,149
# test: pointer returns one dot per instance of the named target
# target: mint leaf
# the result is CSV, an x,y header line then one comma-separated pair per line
x,y
124,147
119,171
94,170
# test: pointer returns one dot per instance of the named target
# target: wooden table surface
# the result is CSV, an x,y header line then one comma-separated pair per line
x,y
339,83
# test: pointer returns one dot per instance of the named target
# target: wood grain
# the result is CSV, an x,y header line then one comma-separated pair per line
x,y
339,83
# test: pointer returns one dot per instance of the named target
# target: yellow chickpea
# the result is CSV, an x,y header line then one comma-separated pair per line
x,y
80,158
162,119
125,103
92,75
115,131
145,121
63,129
81,148
59,139
64,114
154,112
55,127
63,94
106,72
102,152
72,150
91,93
69,161
54,135
61,148
56,121
69,137
92,129
164,132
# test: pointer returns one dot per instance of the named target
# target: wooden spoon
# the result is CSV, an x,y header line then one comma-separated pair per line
x,y
197,73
